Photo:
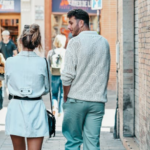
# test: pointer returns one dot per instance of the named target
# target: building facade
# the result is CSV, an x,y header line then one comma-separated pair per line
x,y
51,16
134,73
108,29
10,18
14,14
32,11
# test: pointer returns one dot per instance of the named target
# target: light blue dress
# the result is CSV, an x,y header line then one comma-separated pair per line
x,y
26,75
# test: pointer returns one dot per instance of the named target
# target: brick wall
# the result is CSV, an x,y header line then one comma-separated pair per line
x,y
144,73
120,70
136,72
108,29
140,69
125,34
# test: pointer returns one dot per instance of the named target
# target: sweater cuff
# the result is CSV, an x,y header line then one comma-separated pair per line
x,y
66,83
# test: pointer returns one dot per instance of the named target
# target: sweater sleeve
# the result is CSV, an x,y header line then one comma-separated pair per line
x,y
68,73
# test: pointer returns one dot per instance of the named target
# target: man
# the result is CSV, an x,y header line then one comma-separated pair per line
x,y
7,47
85,77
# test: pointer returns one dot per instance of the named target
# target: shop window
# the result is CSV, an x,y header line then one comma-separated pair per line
x,y
12,26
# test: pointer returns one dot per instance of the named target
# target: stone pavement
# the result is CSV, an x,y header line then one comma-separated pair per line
x,y
58,142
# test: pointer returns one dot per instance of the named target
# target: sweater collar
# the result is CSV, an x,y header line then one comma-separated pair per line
x,y
88,32
28,53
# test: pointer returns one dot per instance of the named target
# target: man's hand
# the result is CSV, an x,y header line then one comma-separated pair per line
x,y
66,91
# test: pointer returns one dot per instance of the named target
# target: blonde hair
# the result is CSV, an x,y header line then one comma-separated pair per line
x,y
59,41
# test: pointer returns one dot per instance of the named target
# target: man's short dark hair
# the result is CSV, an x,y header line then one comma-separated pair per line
x,y
79,14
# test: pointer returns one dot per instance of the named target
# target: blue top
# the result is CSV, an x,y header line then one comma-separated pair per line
x,y
26,75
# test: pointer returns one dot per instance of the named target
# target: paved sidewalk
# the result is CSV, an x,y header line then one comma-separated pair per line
x,y
58,142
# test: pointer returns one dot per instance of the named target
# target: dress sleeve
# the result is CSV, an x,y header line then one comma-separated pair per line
x,y
6,72
47,79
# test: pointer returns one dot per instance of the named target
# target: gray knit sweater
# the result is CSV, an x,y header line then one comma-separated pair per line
x,y
86,67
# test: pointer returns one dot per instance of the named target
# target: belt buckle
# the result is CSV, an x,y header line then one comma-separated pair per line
x,y
12,96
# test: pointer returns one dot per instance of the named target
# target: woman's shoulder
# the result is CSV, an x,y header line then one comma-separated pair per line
x,y
19,58
40,61
9,60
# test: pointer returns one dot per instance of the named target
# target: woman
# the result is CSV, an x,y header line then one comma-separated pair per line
x,y
56,58
27,80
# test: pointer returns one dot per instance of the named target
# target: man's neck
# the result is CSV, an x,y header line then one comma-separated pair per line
x,y
84,29
5,41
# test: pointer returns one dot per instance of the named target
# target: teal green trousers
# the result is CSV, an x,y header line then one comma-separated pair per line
x,y
82,124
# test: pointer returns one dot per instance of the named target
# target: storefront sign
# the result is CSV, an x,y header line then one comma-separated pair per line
x,y
9,6
96,4
63,6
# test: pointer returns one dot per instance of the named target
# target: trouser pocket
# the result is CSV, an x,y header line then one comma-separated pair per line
x,y
71,101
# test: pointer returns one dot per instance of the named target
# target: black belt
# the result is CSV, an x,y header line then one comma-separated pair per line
x,y
24,98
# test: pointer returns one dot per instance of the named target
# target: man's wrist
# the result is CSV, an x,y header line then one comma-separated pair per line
x,y
66,92
65,98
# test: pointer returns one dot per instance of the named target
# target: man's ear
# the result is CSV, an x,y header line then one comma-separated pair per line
x,y
81,23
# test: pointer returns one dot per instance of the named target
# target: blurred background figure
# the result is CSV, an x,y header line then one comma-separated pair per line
x,y
7,49
56,58
2,70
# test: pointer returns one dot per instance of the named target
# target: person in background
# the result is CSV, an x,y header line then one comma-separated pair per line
x,y
55,58
27,80
85,78
2,70
8,49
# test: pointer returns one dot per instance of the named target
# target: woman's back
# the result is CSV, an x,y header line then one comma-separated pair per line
x,y
26,75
